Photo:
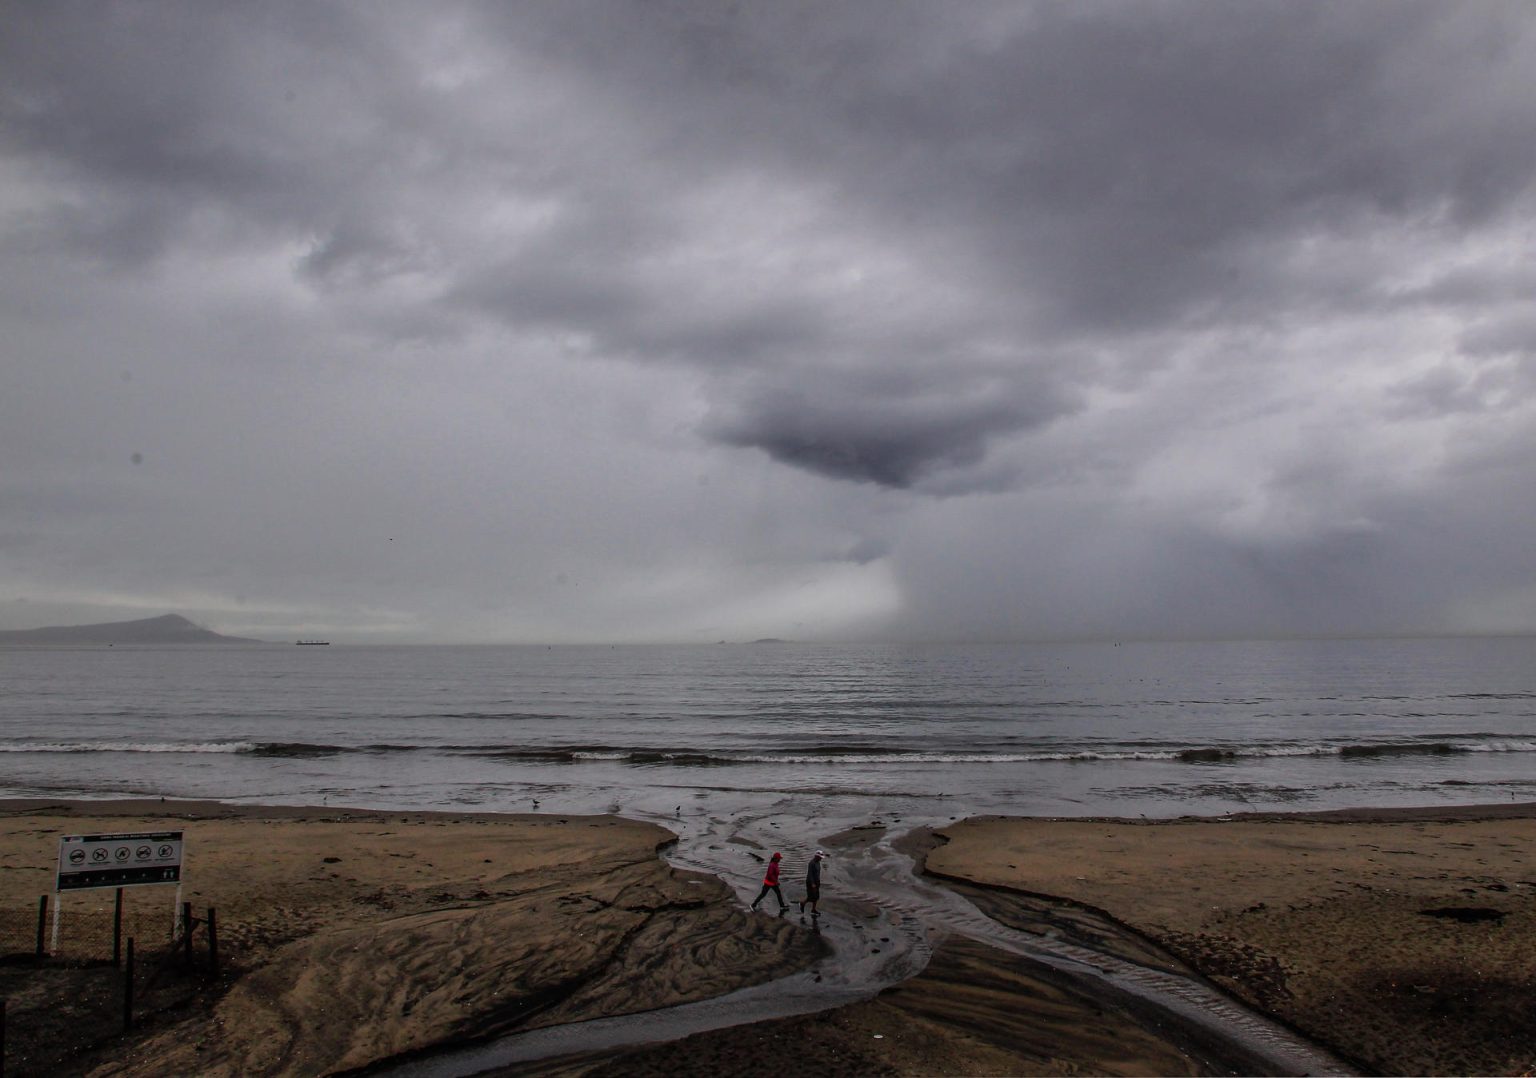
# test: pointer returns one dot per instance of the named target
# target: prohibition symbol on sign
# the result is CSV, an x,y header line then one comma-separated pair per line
x,y
119,860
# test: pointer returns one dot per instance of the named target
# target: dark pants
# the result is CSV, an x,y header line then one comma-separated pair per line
x,y
776,894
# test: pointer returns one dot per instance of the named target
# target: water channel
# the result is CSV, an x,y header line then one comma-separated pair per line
x,y
881,920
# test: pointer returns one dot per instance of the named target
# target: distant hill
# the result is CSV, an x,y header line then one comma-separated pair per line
x,y
168,629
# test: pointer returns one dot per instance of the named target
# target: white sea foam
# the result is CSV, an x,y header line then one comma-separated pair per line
x,y
129,746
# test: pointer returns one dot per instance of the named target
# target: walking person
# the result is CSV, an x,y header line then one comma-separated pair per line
x,y
771,883
812,885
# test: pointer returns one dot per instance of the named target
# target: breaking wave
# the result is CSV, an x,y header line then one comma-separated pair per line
x,y
253,748
864,754
128,746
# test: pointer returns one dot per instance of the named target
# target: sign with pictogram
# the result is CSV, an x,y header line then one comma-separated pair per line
x,y
119,860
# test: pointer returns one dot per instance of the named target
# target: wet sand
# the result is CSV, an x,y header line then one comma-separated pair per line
x,y
1404,940
349,937
974,1011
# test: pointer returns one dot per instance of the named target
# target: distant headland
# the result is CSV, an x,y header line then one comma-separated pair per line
x,y
167,629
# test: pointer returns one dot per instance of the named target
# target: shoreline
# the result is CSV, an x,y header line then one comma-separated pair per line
x,y
213,808
1320,919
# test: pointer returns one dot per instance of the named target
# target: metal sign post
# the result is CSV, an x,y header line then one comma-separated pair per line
x,y
127,860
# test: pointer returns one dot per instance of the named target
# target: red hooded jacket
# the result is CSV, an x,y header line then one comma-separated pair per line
x,y
771,877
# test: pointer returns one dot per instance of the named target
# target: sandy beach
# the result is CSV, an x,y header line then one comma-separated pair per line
x,y
349,937
1401,940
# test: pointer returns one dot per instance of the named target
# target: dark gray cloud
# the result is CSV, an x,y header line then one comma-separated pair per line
x,y
1184,316
1120,163
162,112
894,432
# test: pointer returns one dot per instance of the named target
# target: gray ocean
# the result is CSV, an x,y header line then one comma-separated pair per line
x,y
1155,729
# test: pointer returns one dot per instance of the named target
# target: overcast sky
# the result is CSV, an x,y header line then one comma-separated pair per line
x,y
570,321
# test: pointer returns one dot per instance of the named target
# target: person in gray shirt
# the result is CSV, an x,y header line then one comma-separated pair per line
x,y
812,884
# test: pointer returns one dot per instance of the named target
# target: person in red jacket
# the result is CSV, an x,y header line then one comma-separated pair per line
x,y
771,883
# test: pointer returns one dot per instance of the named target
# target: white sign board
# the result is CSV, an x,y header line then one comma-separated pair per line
x,y
119,860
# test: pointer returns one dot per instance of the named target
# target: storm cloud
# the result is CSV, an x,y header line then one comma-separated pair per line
x,y
688,321
890,430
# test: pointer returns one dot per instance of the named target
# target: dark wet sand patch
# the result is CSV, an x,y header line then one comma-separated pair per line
x,y
974,1010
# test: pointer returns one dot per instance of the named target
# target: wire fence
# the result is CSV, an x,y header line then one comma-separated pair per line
x,y
68,1006
86,928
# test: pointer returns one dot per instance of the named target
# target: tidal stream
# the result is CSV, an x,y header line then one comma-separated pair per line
x,y
881,921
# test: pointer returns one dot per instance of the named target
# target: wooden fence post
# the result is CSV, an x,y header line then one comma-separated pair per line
x,y
213,940
186,931
128,989
42,921
117,927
